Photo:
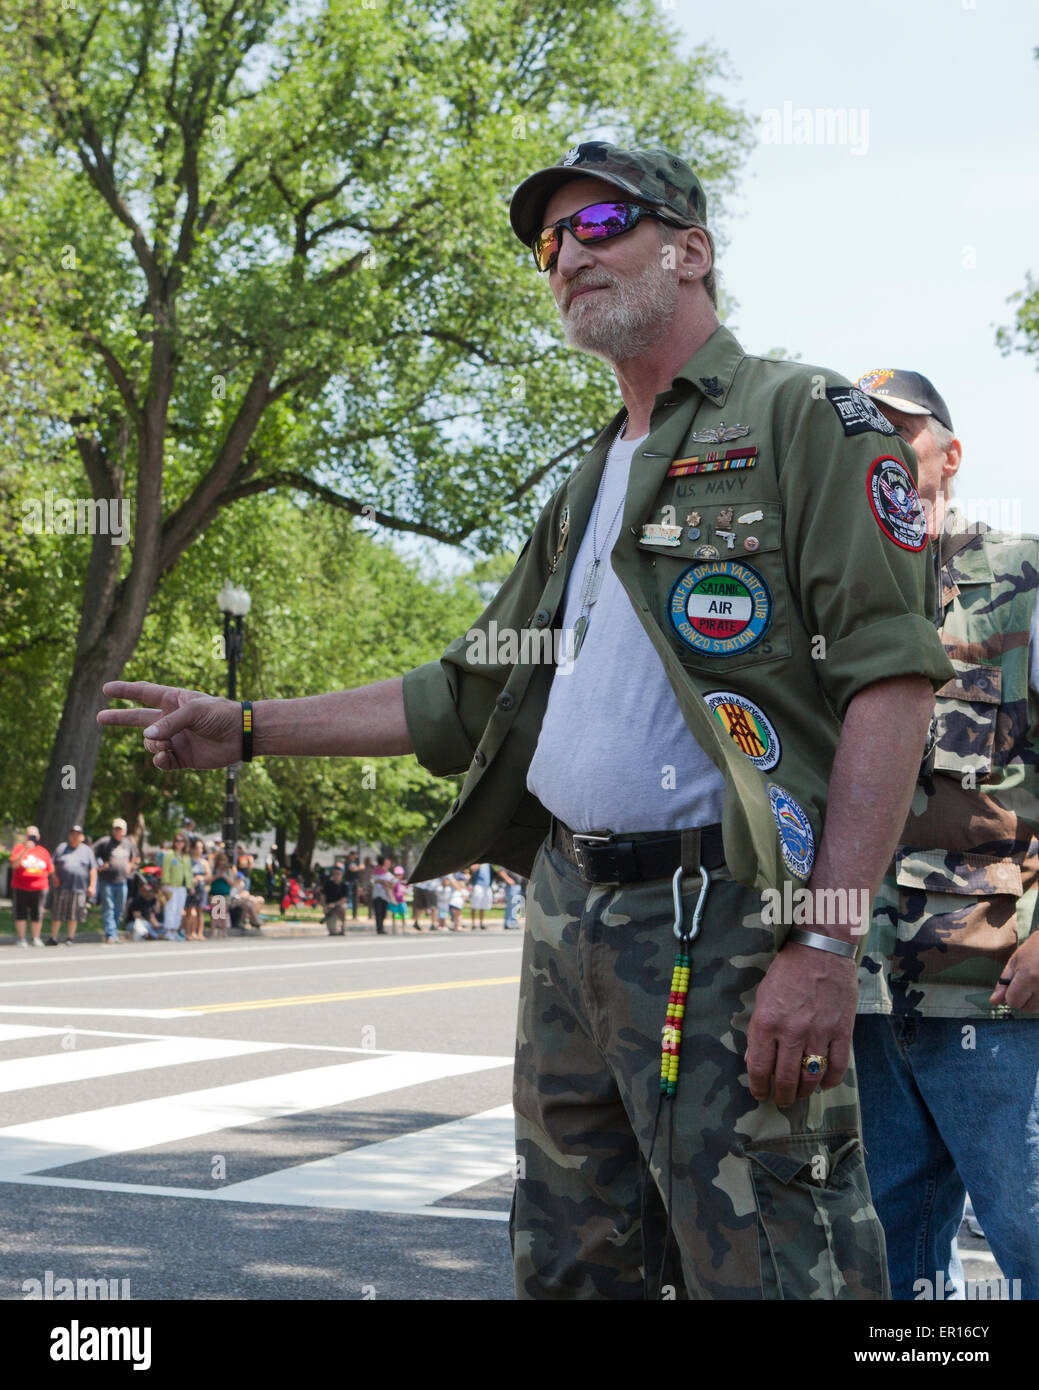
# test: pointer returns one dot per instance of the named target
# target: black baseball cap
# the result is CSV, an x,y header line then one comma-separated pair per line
x,y
656,178
909,392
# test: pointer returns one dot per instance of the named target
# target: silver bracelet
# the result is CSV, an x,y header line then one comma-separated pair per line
x,y
797,937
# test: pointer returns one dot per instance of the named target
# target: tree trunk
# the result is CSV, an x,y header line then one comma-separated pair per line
x,y
113,610
132,802
279,845
70,772
306,837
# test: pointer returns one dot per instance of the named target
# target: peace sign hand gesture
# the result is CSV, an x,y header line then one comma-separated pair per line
x,y
182,728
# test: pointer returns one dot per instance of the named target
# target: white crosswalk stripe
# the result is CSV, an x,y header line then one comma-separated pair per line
x,y
406,1173
14,1032
403,1174
62,1067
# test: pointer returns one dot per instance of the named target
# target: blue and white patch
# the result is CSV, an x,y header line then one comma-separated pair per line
x,y
720,607
796,840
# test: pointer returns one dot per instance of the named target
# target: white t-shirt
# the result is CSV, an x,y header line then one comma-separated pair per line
x,y
614,752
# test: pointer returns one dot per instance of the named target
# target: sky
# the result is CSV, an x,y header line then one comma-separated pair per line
x,y
897,241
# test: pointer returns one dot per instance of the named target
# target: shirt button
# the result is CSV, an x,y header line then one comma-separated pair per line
x,y
505,700
542,618
479,757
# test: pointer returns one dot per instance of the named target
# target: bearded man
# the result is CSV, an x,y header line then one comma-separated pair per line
x,y
747,703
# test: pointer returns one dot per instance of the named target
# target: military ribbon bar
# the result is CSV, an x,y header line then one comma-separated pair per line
x,y
713,462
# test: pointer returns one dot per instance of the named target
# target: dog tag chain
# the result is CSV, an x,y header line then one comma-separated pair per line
x,y
594,572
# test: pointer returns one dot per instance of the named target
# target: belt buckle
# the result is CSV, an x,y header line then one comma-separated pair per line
x,y
579,852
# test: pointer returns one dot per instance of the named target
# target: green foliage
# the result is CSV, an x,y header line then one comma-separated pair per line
x,y
1023,334
321,194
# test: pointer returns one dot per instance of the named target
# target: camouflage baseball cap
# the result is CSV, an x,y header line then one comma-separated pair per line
x,y
656,178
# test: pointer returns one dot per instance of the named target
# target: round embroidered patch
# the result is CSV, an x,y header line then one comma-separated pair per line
x,y
796,841
896,503
720,607
747,725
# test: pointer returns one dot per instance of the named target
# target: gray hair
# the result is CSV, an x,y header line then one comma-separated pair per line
x,y
943,438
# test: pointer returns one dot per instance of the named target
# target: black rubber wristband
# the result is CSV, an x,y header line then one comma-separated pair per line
x,y
247,731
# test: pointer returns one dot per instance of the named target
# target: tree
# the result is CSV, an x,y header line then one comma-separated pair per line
x,y
332,608
1023,334
270,252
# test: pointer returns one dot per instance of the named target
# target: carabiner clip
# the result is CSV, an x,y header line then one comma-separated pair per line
x,y
676,890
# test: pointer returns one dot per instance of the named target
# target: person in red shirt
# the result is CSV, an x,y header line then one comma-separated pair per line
x,y
31,870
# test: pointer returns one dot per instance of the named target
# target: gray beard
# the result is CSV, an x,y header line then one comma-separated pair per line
x,y
629,320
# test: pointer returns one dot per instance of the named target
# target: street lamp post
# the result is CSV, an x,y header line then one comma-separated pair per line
x,y
234,603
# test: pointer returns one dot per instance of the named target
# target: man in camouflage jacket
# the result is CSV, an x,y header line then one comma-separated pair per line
x,y
946,1040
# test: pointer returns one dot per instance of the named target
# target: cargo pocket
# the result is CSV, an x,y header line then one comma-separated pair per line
x,y
963,905
967,709
819,1236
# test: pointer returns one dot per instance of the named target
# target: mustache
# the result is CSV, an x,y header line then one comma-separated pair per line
x,y
579,286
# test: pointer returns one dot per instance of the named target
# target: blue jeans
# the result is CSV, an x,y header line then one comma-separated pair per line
x,y
513,892
939,1117
113,901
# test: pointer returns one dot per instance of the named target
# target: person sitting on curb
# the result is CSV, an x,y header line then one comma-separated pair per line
x,y
143,913
334,898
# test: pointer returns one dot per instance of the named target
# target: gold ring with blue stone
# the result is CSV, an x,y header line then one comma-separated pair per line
x,y
814,1063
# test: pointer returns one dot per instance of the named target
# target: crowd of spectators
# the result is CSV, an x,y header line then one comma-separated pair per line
x,y
191,885
187,884
441,901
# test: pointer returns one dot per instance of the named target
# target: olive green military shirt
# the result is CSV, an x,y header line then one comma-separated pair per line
x,y
773,546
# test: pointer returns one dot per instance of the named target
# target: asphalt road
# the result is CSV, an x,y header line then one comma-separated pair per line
x,y
315,1118
258,1119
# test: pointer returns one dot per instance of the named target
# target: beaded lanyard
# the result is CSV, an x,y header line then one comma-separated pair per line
x,y
672,1032
671,1046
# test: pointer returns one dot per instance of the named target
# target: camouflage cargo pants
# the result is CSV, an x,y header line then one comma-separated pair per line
x,y
765,1203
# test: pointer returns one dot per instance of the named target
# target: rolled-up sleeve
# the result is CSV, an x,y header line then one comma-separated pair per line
x,y
437,734
869,597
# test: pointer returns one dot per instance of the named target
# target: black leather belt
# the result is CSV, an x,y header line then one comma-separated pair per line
x,y
606,858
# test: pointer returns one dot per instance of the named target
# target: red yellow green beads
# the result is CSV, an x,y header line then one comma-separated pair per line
x,y
672,1031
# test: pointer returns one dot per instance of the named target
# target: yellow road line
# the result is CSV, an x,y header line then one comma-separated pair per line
x,y
289,1000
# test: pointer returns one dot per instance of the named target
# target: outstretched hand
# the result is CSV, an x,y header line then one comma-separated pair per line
x,y
182,728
